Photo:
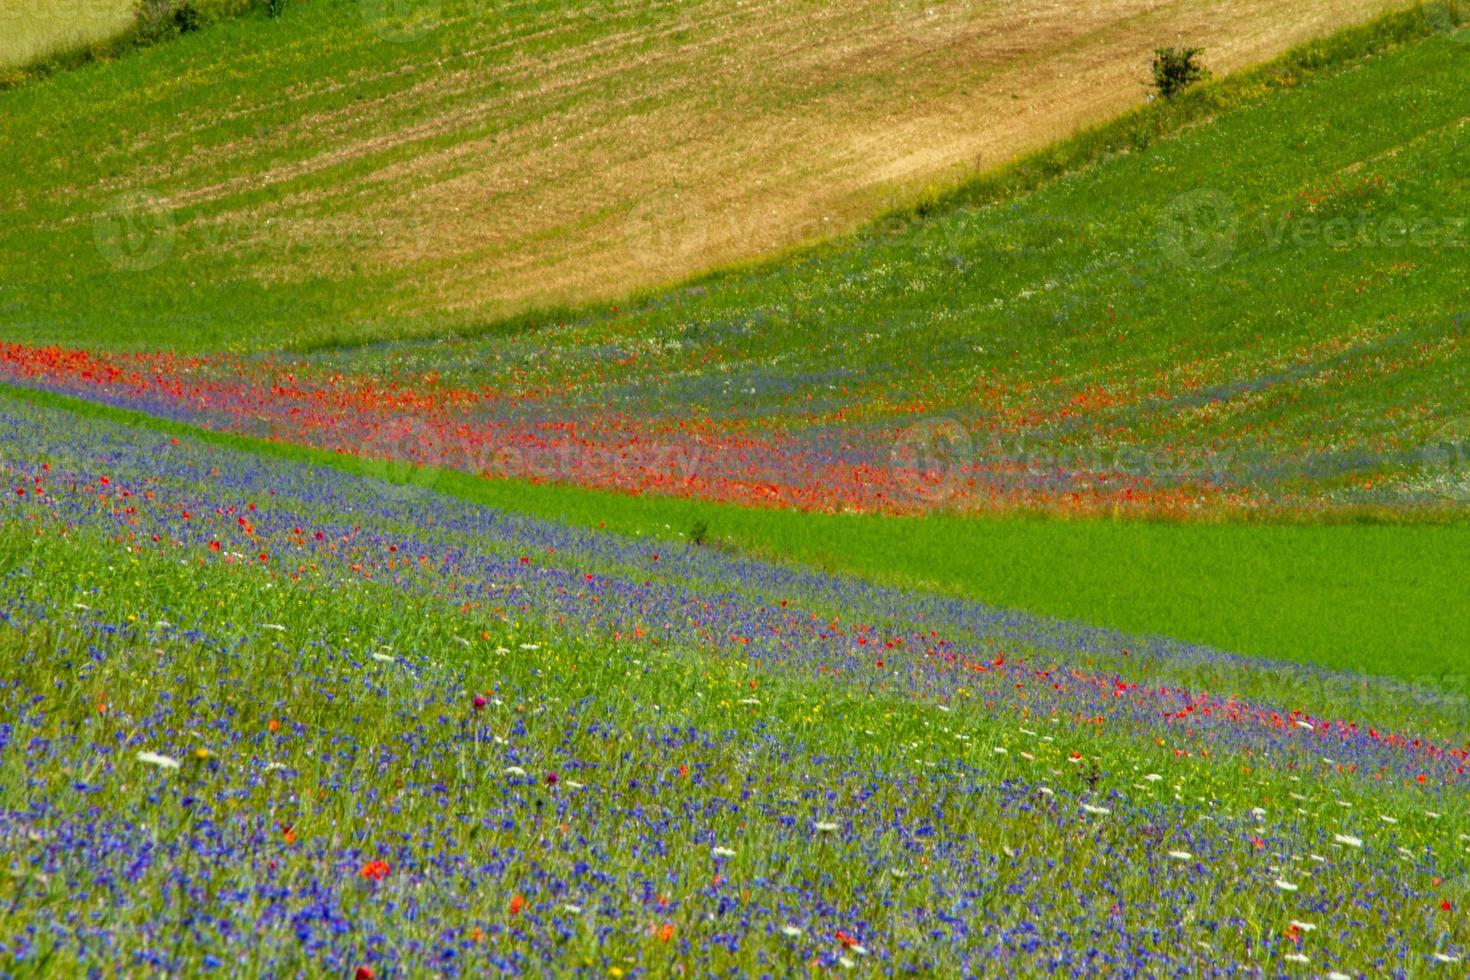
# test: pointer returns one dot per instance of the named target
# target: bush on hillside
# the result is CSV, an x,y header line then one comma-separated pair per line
x,y
699,533
154,20
1175,69
159,18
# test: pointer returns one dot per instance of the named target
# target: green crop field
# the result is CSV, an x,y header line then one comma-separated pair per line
x,y
748,489
1379,598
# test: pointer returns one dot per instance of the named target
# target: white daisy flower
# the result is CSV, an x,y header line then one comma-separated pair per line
x,y
1285,885
161,761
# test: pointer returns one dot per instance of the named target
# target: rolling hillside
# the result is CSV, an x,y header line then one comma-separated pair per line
x,y
376,170
1257,313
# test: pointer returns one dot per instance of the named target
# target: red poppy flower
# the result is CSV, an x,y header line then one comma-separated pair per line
x,y
375,871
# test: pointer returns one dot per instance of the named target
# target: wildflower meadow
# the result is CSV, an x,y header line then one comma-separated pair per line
x,y
293,718
709,489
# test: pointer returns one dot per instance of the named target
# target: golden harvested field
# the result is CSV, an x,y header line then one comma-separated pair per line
x,y
454,164
33,28
780,122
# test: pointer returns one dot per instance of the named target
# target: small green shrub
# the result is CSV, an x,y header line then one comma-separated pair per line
x,y
157,19
698,533
1175,69
186,18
